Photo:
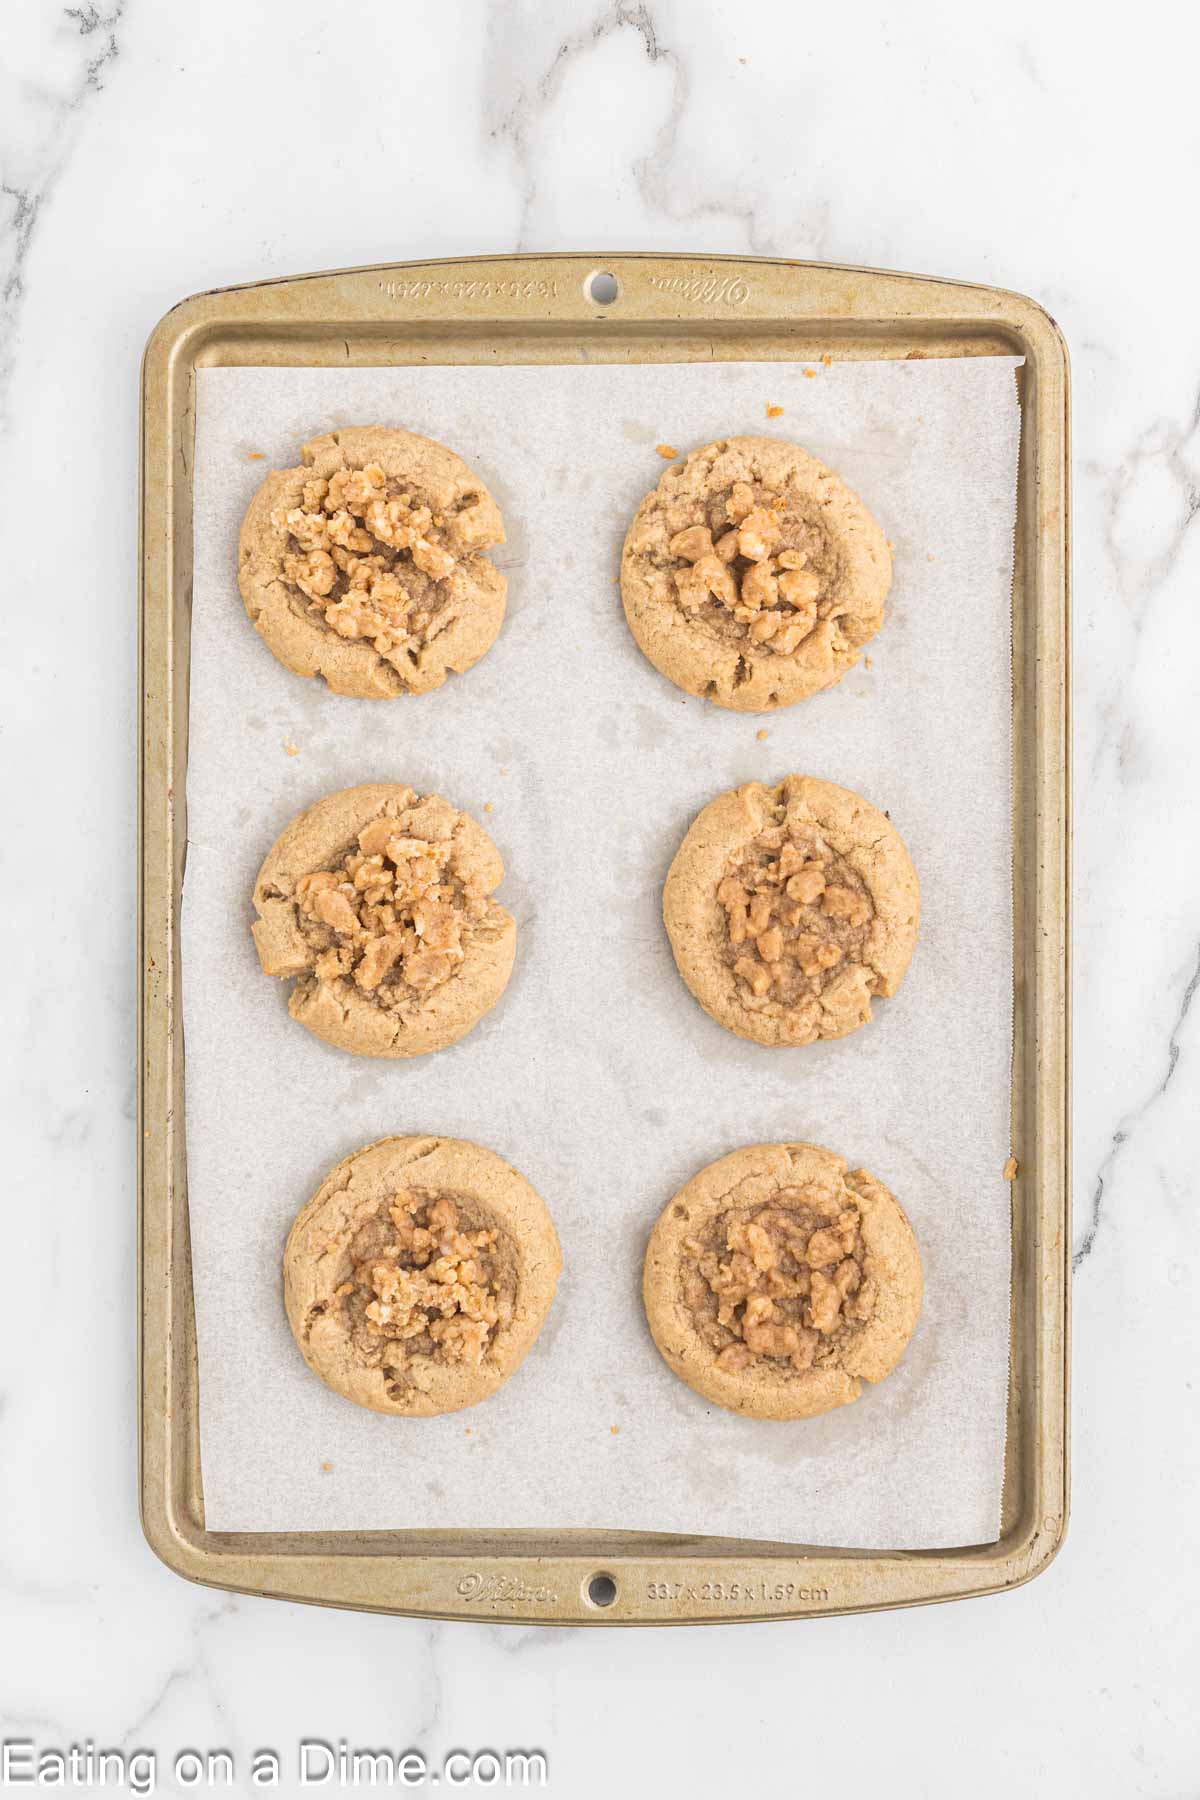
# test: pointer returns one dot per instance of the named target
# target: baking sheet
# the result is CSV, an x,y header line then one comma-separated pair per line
x,y
597,1075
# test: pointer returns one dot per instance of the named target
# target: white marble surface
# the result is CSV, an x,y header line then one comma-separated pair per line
x,y
147,152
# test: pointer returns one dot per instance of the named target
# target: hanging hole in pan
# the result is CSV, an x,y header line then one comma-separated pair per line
x,y
602,287
601,1590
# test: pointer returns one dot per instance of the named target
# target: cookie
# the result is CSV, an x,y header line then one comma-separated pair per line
x,y
419,1275
789,908
366,564
378,902
752,575
778,1280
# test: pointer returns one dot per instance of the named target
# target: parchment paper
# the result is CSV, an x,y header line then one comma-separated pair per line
x,y
597,1075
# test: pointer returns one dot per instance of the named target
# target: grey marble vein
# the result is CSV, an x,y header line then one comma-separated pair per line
x,y
421,1736
1132,1119
516,100
180,1674
1139,576
41,161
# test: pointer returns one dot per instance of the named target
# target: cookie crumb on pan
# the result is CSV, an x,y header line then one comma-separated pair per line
x,y
668,451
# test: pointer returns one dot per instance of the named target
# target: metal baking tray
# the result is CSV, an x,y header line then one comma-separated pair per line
x,y
551,309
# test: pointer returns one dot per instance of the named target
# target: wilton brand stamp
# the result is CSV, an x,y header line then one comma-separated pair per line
x,y
503,1590
728,289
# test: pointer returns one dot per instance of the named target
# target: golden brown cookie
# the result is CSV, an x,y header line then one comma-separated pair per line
x,y
418,1276
778,1280
789,907
752,575
379,902
366,564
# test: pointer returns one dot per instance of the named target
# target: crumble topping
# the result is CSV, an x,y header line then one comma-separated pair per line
x,y
785,1281
751,564
796,913
393,917
429,1279
373,562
